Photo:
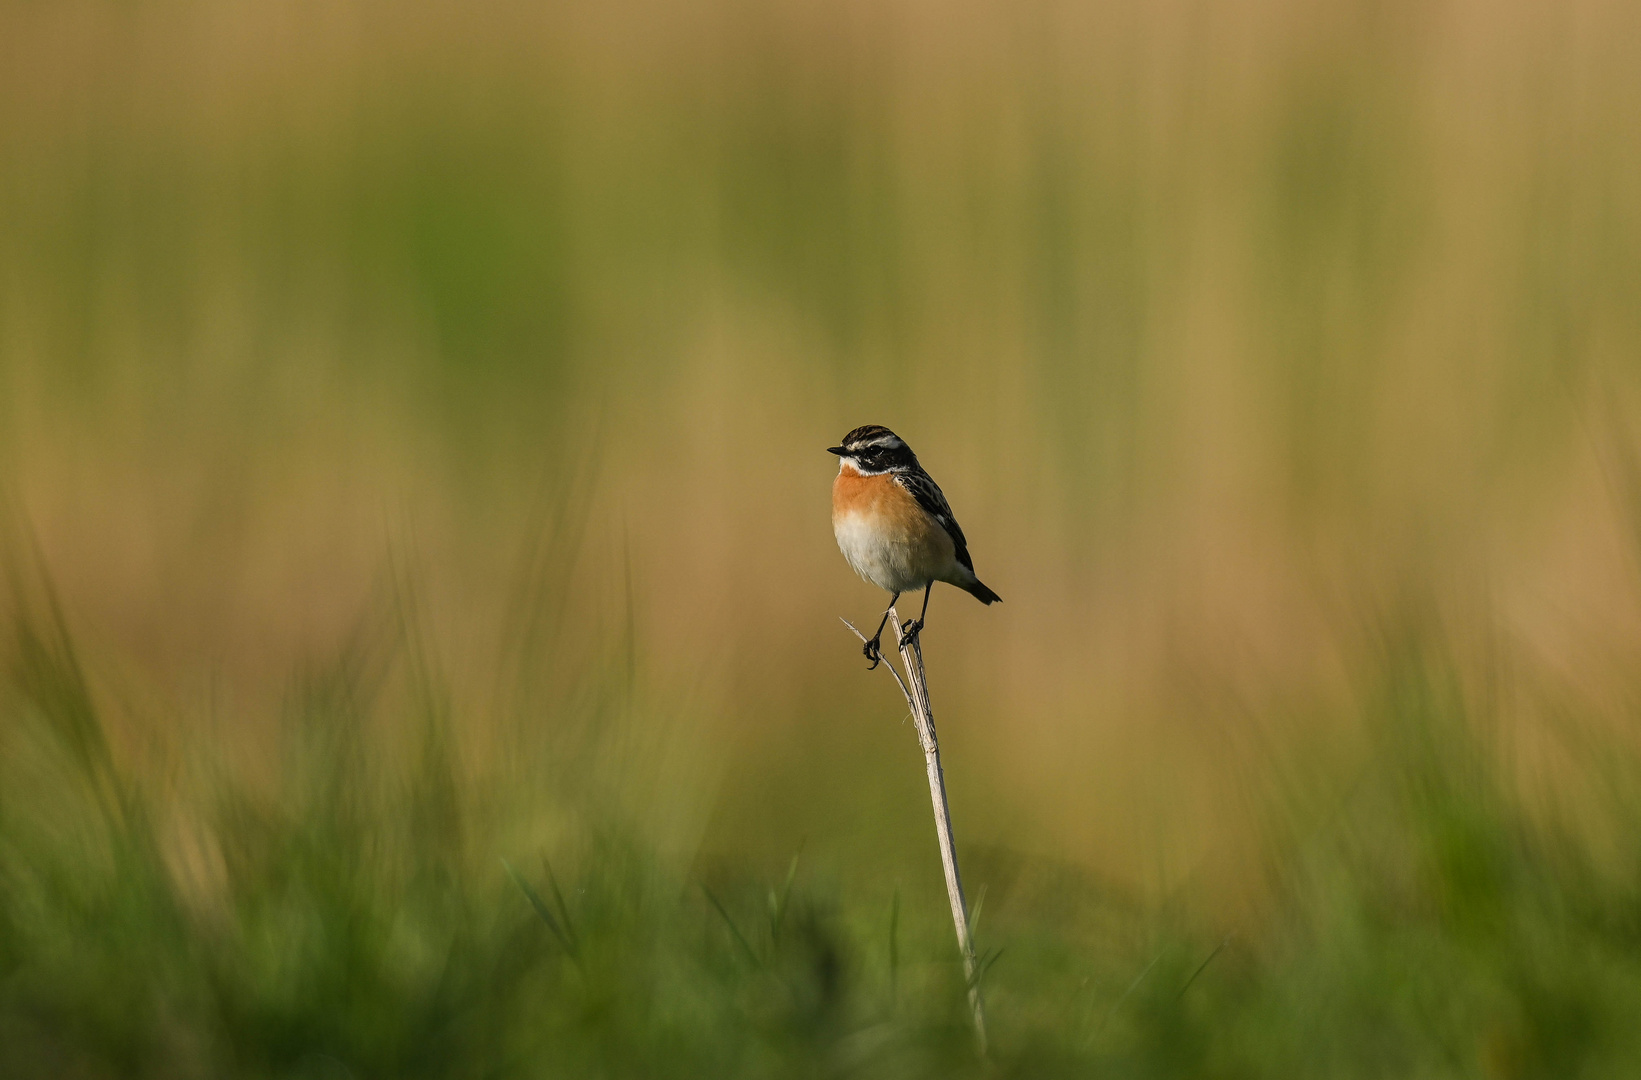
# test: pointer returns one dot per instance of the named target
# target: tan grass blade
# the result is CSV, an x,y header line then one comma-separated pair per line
x,y
915,686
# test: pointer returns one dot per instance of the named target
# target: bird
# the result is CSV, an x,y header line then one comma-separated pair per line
x,y
895,527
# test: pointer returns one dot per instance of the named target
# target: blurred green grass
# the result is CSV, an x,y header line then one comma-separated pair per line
x,y
353,916
410,458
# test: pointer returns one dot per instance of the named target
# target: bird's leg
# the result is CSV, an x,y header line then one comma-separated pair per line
x,y
873,653
909,632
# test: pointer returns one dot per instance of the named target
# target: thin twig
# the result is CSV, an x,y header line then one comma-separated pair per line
x,y
543,911
915,687
746,946
1133,986
1226,940
891,667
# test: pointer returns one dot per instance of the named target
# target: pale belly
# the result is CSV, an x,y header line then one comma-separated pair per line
x,y
893,559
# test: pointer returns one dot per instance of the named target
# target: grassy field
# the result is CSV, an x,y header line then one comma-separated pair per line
x,y
421,653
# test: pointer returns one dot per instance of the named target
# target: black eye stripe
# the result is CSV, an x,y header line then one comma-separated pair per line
x,y
884,457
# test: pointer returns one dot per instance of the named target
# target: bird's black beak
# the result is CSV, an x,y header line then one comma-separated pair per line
x,y
838,450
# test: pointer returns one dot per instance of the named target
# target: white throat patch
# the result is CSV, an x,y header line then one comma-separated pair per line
x,y
854,463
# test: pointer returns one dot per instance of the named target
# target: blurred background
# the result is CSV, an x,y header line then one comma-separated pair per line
x,y
386,384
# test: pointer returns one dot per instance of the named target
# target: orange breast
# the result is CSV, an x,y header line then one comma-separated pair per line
x,y
886,536
878,498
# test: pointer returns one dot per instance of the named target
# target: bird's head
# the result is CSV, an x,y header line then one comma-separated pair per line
x,y
873,449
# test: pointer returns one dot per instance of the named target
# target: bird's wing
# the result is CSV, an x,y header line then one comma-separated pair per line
x,y
929,496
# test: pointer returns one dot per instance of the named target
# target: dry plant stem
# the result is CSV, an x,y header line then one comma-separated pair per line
x,y
916,688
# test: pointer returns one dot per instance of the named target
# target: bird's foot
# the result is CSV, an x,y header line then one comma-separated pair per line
x,y
909,632
873,652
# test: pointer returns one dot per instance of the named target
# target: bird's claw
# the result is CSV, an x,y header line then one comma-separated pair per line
x,y
909,632
873,653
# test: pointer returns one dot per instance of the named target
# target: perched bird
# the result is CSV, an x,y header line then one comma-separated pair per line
x,y
894,526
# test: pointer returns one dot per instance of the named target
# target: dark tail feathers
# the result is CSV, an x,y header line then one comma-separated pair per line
x,y
982,594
